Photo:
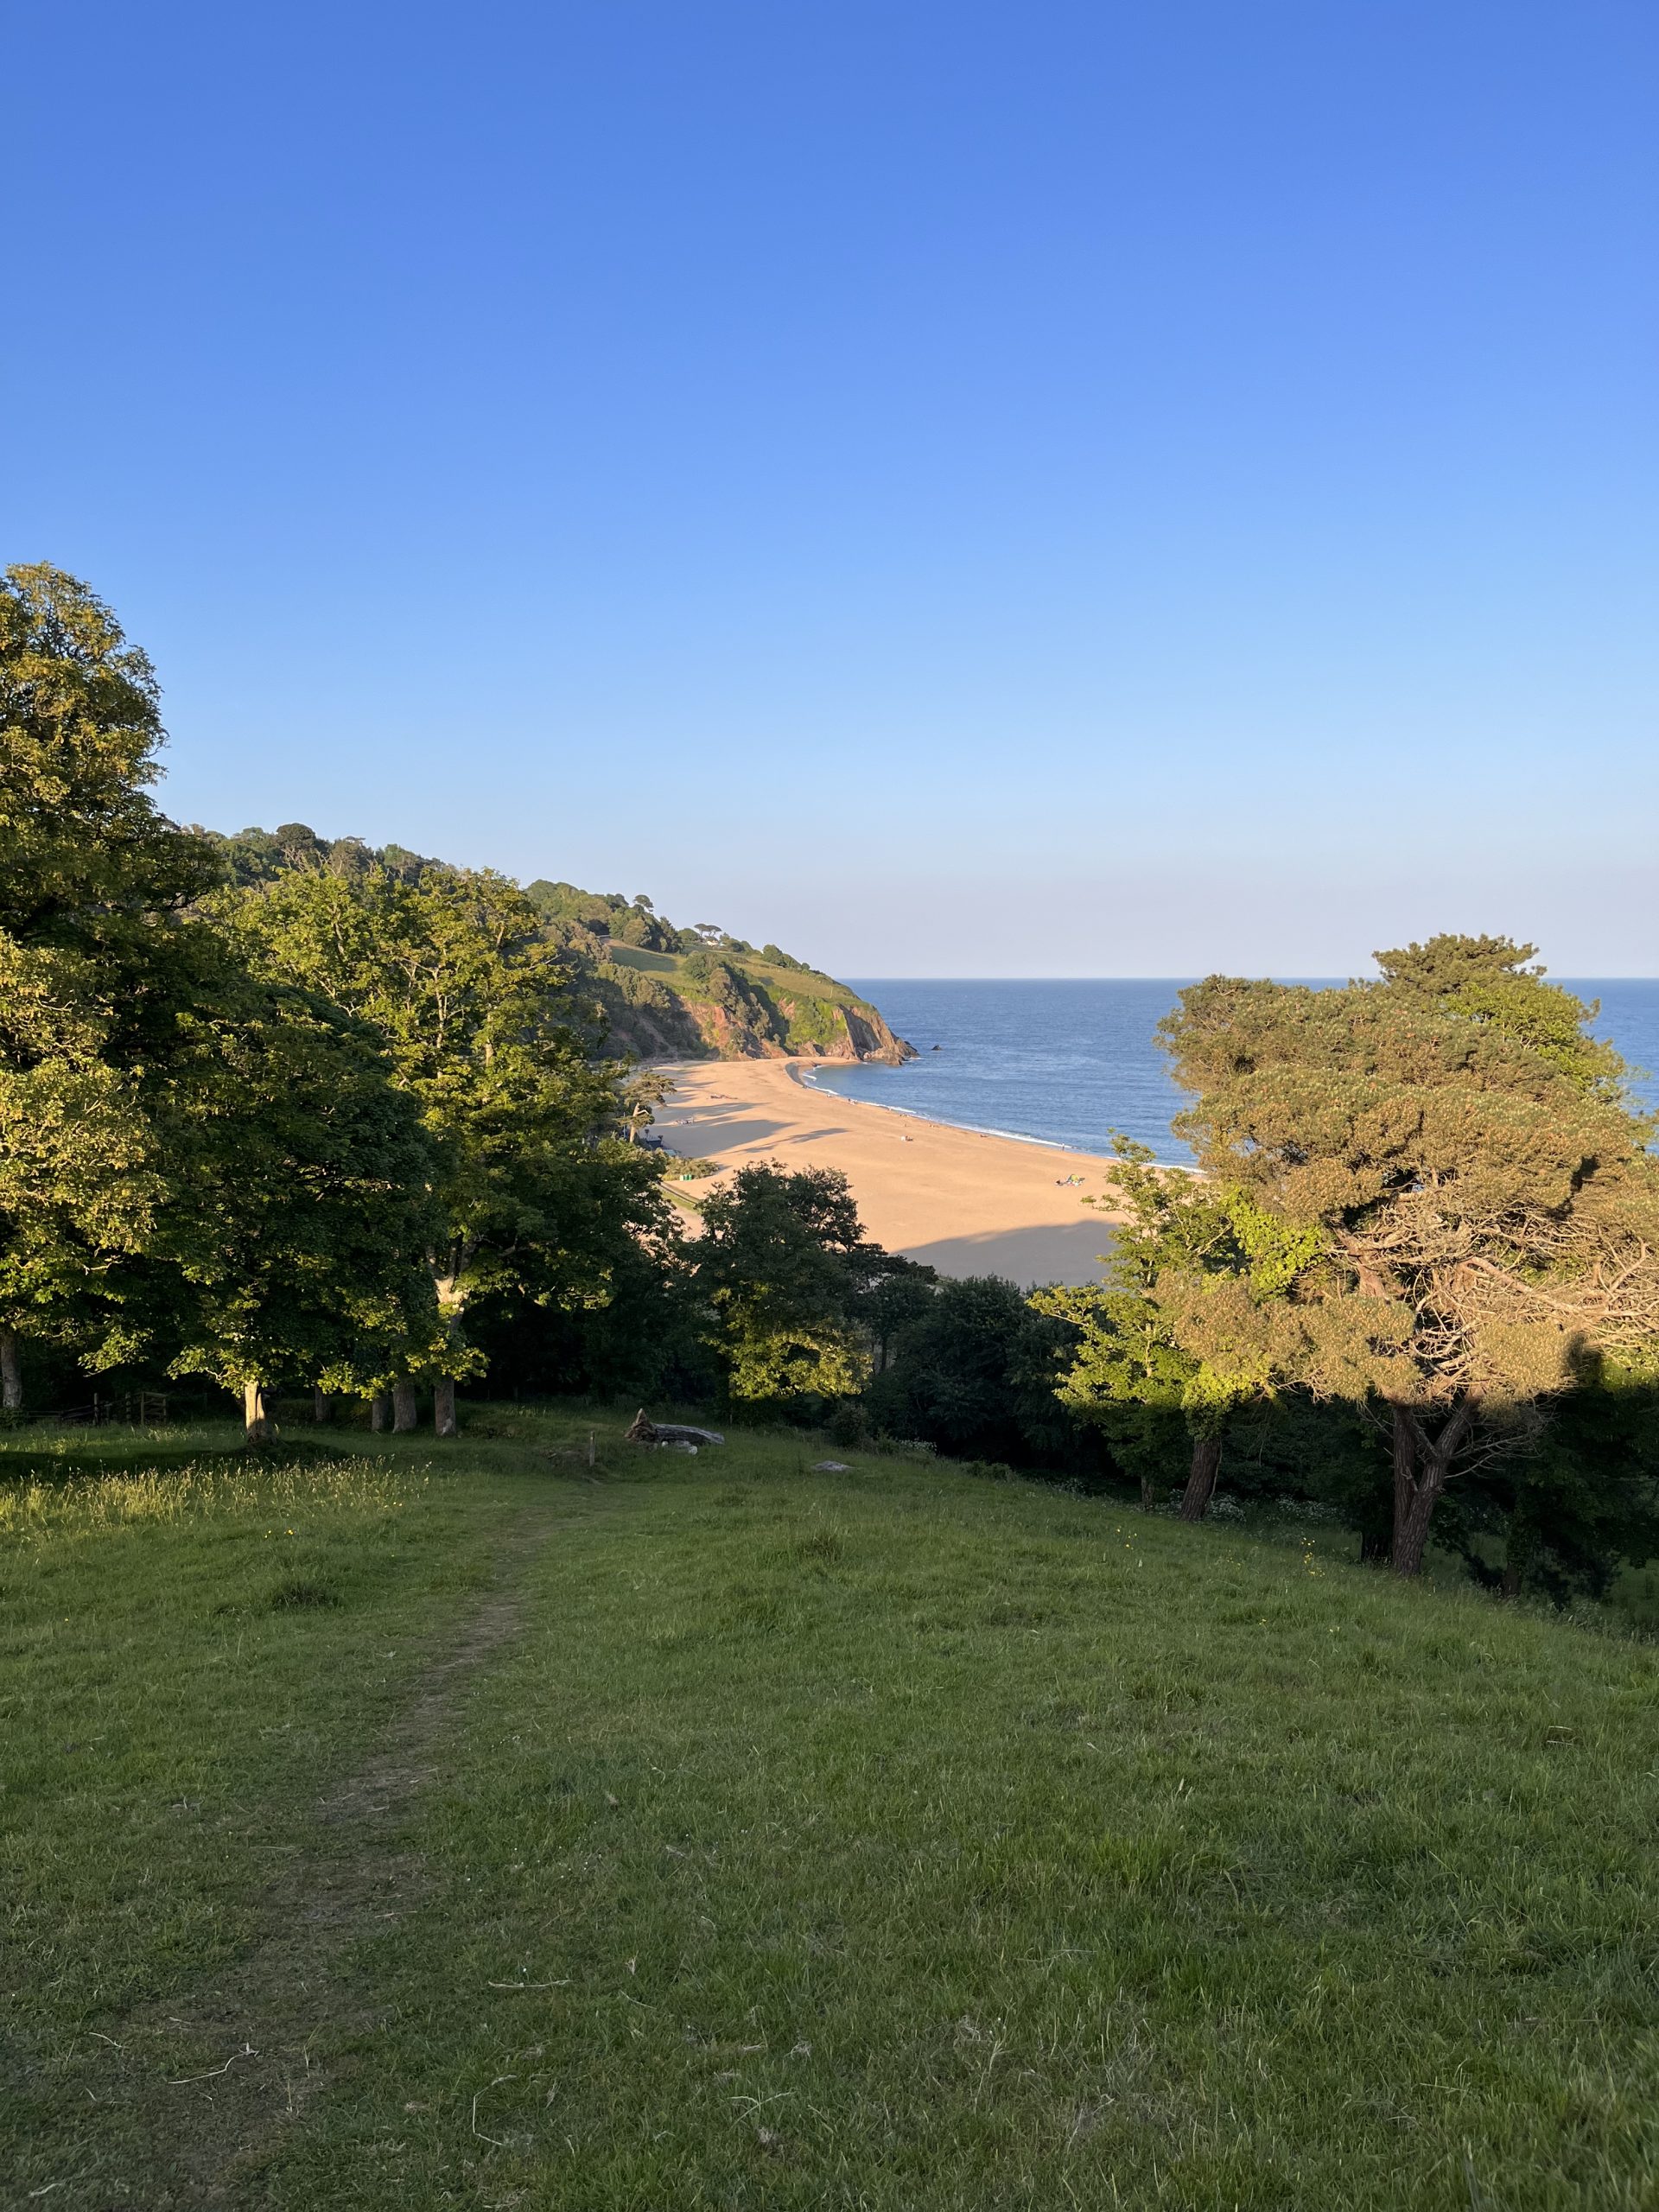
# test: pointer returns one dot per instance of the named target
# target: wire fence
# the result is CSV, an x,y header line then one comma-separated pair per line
x,y
135,1409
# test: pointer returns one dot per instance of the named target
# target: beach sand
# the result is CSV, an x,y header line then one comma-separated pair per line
x,y
968,1205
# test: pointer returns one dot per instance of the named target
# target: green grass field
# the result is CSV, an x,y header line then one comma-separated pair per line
x,y
415,1826
789,982
651,963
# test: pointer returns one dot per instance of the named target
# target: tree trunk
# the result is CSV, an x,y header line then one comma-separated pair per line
x,y
1421,1463
405,1407
443,1406
1405,1479
322,1405
11,1372
1520,1550
256,1413
1148,1494
1201,1481
1411,1530
379,1407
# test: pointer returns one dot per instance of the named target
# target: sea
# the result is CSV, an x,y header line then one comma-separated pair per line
x,y
1068,1063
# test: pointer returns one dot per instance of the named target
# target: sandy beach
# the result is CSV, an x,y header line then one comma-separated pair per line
x,y
966,1203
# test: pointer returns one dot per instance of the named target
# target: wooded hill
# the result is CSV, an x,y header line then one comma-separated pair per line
x,y
666,992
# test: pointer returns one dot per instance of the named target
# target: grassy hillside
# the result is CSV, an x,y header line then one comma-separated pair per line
x,y
739,1005
416,1827
664,992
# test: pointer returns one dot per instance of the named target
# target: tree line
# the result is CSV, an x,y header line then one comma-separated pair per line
x,y
276,1112
258,1127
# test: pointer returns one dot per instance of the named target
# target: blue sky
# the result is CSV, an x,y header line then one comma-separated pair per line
x,y
1045,489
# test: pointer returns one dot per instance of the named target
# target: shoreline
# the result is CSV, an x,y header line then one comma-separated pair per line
x,y
968,1129
933,1121
966,1201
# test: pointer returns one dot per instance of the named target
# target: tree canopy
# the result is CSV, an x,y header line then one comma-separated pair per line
x,y
530,1184
1484,1211
268,1106
780,1267
1135,1372
94,959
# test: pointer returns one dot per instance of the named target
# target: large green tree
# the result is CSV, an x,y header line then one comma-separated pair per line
x,y
93,883
536,1195
781,1270
197,1167
299,1244
80,1176
971,1370
1132,1374
1483,1210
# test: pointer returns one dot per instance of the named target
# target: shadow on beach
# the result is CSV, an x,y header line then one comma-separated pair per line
x,y
1051,1252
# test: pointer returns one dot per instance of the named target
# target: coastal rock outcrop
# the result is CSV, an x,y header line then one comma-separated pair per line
x,y
731,1009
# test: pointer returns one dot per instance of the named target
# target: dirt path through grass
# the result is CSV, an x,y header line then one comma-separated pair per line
x,y
203,2087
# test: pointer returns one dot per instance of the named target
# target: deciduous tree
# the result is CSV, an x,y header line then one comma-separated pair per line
x,y
1141,1372
780,1267
972,1371
300,1242
92,881
533,1186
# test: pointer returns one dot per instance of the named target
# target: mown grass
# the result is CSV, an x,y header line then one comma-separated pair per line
x,y
894,1839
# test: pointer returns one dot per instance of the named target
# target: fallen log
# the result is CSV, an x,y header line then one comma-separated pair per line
x,y
641,1431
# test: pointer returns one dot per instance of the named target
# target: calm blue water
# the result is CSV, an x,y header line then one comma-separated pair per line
x,y
1070,1062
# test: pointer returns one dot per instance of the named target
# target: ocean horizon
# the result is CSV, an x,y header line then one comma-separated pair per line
x,y
1066,1061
